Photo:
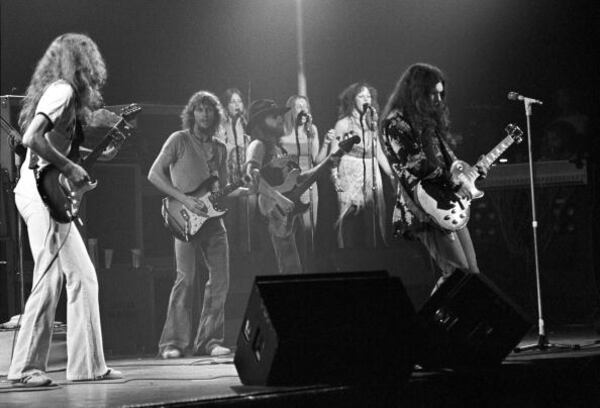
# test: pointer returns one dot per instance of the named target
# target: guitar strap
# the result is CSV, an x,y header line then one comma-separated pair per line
x,y
444,149
78,139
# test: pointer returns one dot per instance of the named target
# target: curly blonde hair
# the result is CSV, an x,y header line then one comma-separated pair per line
x,y
72,57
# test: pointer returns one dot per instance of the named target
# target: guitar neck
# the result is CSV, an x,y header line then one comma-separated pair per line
x,y
314,173
228,189
497,151
91,158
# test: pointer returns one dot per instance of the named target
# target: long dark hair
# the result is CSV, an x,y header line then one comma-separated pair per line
x,y
74,58
202,98
346,98
412,97
226,98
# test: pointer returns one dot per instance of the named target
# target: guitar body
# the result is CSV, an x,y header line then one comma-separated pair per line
x,y
185,224
269,204
289,189
440,202
281,220
447,210
61,197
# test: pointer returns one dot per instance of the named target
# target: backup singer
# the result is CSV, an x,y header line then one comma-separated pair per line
x,y
187,159
65,87
415,131
239,218
301,142
356,175
233,132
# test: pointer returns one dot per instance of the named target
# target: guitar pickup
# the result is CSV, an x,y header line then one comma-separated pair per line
x,y
187,228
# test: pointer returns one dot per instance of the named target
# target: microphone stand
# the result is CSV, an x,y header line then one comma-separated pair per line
x,y
542,343
363,115
373,177
234,122
235,141
309,140
297,124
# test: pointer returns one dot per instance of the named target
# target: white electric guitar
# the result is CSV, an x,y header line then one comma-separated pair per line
x,y
445,208
184,223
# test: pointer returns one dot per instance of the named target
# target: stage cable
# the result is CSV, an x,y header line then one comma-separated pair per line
x,y
54,258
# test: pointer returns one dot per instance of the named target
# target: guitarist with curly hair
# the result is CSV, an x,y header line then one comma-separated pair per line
x,y
61,98
189,159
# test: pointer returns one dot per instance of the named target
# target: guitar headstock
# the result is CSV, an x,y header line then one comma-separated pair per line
x,y
122,130
515,132
130,111
347,144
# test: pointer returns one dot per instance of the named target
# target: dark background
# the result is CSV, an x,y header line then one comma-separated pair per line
x,y
162,51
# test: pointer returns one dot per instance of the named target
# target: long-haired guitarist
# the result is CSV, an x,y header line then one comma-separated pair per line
x,y
64,89
188,159
415,130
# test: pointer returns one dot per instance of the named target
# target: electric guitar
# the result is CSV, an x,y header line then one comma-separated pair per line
x,y
62,197
185,224
447,210
281,203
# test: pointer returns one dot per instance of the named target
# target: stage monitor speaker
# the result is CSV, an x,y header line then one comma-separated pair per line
x,y
469,323
333,328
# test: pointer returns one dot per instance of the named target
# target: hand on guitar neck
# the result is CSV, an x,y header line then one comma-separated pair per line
x,y
465,189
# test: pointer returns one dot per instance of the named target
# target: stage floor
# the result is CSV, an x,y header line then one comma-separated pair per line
x,y
528,379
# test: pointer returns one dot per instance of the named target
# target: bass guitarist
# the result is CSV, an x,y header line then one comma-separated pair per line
x,y
187,159
269,165
414,130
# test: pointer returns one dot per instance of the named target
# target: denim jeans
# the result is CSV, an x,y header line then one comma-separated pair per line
x,y
212,247
286,250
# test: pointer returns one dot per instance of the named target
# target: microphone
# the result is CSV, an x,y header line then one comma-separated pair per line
x,y
299,117
237,116
371,119
308,123
514,96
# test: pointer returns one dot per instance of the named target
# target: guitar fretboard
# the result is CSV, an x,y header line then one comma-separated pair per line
x,y
493,155
228,189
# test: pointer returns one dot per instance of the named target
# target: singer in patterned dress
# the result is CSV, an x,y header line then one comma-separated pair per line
x,y
357,179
